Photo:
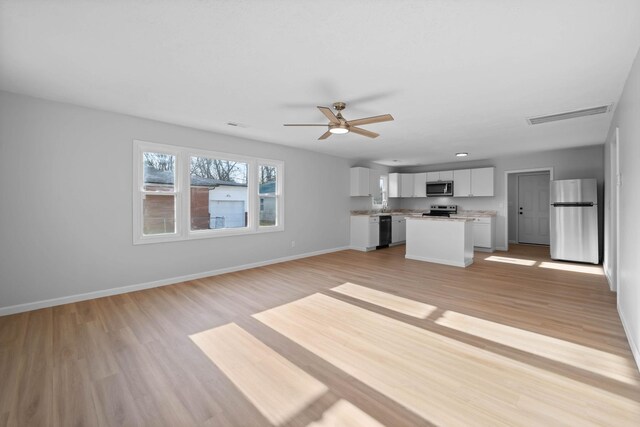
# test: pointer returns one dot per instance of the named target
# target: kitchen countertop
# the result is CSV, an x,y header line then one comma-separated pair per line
x,y
394,213
439,218
474,214
418,213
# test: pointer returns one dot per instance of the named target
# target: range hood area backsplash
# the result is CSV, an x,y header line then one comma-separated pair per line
x,y
464,203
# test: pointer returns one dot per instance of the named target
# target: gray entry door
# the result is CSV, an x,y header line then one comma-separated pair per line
x,y
533,209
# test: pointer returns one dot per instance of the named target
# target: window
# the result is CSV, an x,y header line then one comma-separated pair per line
x,y
268,194
219,196
382,201
182,194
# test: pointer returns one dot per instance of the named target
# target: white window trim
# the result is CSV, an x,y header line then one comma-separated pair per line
x,y
183,194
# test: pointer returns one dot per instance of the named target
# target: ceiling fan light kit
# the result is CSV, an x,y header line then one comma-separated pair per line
x,y
338,129
339,125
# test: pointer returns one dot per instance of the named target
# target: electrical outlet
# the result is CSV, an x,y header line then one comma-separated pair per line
x,y
293,243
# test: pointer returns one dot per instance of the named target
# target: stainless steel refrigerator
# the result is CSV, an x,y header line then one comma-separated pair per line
x,y
574,220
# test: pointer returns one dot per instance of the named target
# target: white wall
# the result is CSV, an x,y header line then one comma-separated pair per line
x,y
66,213
627,120
582,162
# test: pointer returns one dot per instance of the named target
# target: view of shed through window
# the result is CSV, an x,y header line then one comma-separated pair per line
x,y
159,193
268,192
219,194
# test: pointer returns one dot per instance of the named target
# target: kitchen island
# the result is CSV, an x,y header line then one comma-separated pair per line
x,y
440,239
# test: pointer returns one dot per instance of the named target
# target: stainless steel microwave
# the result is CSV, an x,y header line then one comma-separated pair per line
x,y
440,189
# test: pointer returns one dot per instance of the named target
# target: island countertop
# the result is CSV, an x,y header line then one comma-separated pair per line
x,y
439,218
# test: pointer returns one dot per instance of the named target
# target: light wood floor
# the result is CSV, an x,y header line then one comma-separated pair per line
x,y
514,339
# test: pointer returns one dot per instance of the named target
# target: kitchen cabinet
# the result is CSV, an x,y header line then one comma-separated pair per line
x,y
365,232
398,229
482,182
394,185
440,176
473,182
406,185
462,183
446,175
420,185
484,233
400,185
365,182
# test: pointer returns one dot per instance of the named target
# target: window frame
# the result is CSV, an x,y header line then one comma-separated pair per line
x,y
279,165
182,194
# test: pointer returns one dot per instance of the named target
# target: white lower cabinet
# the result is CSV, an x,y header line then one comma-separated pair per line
x,y
365,232
398,229
484,233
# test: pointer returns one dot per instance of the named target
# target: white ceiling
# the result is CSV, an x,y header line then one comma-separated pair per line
x,y
456,75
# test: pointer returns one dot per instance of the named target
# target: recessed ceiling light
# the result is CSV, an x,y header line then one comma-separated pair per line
x,y
462,154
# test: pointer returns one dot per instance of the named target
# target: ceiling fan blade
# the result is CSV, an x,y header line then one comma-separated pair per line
x,y
363,132
325,135
369,120
300,124
327,112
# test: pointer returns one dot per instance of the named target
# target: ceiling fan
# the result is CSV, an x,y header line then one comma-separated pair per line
x,y
339,125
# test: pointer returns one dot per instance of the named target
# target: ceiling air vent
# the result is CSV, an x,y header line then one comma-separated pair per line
x,y
569,115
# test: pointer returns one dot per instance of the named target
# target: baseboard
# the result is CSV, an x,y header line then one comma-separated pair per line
x,y
361,249
479,249
513,242
501,248
607,274
467,262
19,308
634,346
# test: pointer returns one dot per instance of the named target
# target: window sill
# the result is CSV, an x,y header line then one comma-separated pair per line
x,y
205,234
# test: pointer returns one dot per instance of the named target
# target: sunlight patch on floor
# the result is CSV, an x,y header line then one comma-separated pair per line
x,y
587,358
441,379
386,300
575,268
275,386
509,260
344,414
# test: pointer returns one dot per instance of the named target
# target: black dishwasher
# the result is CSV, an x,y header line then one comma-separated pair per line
x,y
385,231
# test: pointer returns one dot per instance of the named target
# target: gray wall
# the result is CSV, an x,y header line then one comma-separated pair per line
x,y
66,210
627,281
582,162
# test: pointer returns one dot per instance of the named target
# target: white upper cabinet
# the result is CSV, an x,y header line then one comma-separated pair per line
x,y
473,182
433,176
401,185
394,185
420,185
446,175
440,176
462,183
466,182
365,182
482,182
406,185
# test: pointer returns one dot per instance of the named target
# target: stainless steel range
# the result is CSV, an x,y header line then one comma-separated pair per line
x,y
442,210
